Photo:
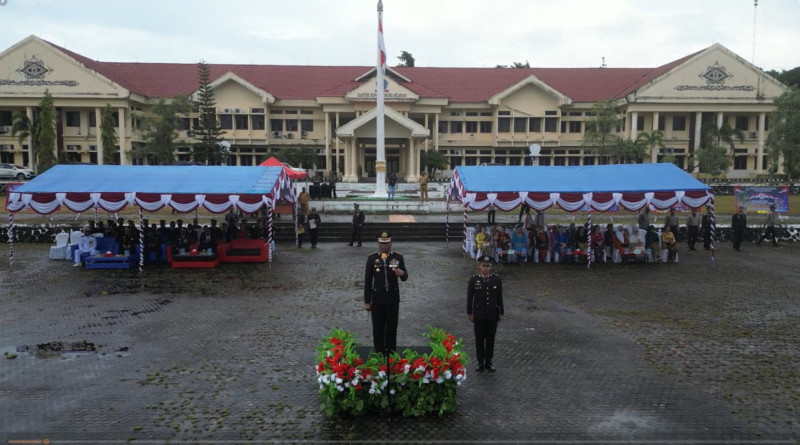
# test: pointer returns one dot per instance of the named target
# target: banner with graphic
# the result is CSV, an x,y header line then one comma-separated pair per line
x,y
758,199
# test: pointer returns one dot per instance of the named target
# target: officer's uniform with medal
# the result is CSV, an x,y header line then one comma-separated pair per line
x,y
485,305
382,291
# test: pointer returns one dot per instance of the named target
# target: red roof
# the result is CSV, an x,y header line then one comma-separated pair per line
x,y
294,82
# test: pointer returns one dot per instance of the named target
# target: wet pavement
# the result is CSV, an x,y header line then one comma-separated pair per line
x,y
688,352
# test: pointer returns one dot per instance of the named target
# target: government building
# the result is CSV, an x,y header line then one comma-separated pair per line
x,y
471,115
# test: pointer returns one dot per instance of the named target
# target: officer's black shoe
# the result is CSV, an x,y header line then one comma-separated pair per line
x,y
490,368
350,244
359,244
479,368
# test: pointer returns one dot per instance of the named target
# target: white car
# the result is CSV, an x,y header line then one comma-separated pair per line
x,y
11,171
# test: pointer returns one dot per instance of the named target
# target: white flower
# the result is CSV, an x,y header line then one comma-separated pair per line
x,y
321,387
425,381
346,384
326,379
392,392
406,368
459,378
440,380
339,388
448,375
355,381
420,368
383,385
382,374
329,353
338,380
372,390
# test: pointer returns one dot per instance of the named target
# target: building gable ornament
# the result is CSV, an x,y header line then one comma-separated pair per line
x,y
35,71
715,77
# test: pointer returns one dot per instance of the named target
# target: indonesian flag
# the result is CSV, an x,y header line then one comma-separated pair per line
x,y
381,46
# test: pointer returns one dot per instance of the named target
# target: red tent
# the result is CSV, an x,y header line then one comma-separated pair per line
x,y
291,172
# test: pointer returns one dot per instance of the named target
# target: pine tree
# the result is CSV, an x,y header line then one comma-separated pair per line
x,y
209,133
46,137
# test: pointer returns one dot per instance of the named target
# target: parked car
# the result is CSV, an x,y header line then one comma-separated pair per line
x,y
11,171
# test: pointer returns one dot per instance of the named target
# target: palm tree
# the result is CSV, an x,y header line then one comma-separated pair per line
x,y
713,136
24,128
653,141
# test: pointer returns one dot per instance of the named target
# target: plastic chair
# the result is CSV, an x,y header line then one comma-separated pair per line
x,y
470,245
61,250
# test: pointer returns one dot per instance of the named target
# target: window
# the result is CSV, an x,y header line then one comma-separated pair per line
x,y
551,113
662,123
306,111
257,122
291,125
92,119
456,126
575,113
520,125
639,123
486,127
740,163
504,113
290,111
742,123
471,127
73,118
306,125
766,125
443,126
535,125
276,125
6,118
504,125
550,125
471,113
185,123
257,110
226,121
574,160
574,127
678,123
241,122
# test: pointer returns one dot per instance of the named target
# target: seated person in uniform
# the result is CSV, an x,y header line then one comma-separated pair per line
x,y
86,245
207,240
128,241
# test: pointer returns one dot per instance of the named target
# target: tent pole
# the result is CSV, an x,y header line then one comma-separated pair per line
x,y
269,235
713,226
589,248
447,217
10,240
141,240
464,242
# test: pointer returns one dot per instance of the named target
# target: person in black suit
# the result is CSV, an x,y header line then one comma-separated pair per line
x,y
484,310
385,269
358,223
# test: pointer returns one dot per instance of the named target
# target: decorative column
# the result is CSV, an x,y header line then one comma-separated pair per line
x,y
698,125
654,150
123,157
31,161
98,120
762,118
634,122
327,141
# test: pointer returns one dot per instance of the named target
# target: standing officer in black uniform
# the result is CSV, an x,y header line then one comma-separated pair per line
x,y
382,293
358,223
485,309
739,225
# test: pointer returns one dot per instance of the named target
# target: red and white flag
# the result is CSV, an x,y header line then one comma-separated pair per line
x,y
381,46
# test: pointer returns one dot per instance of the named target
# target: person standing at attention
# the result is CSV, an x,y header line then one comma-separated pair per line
x,y
739,225
484,310
769,227
358,223
423,187
385,269
671,221
692,229
392,180
313,226
303,199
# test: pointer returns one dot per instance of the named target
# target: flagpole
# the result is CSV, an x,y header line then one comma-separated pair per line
x,y
380,143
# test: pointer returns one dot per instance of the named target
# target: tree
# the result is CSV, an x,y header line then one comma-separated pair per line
x,y
160,130
108,136
303,157
652,141
711,135
23,128
600,128
433,160
790,77
712,159
406,59
784,136
516,65
46,134
209,133
627,151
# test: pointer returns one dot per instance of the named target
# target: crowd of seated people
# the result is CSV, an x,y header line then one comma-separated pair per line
x,y
567,244
176,235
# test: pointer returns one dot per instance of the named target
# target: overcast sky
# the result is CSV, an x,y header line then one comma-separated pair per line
x,y
445,33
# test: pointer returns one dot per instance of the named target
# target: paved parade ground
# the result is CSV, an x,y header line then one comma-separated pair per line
x,y
639,353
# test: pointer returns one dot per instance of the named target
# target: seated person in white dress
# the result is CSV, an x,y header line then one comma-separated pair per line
x,y
636,239
86,245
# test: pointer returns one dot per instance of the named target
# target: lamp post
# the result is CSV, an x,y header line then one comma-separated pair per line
x,y
535,150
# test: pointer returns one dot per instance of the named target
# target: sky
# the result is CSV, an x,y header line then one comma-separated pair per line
x,y
440,33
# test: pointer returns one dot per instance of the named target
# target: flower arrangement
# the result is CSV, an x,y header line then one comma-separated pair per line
x,y
413,384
